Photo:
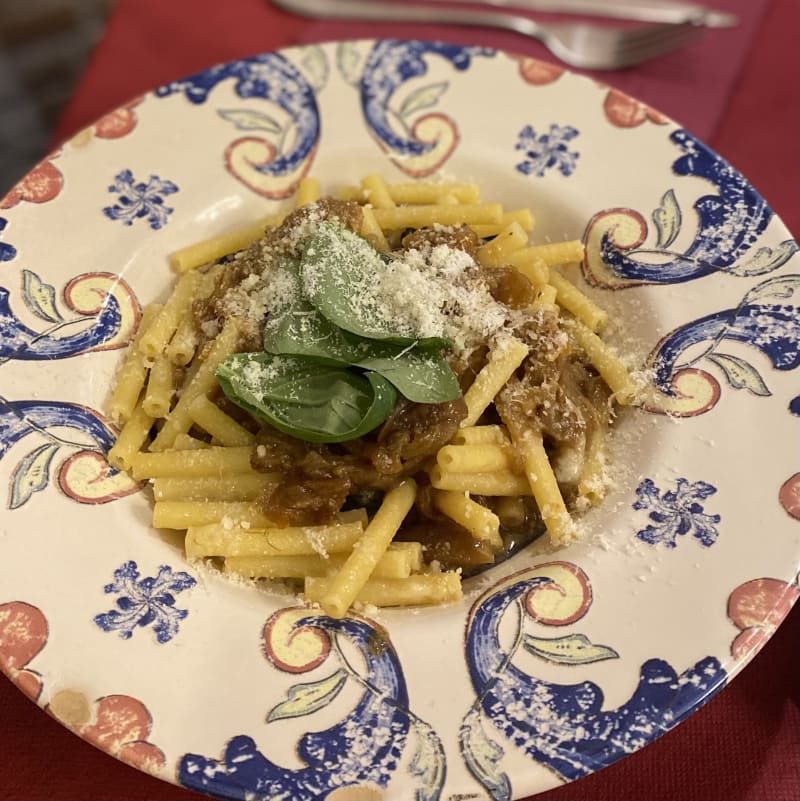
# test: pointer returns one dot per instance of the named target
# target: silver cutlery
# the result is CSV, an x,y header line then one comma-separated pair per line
x,y
579,44
675,11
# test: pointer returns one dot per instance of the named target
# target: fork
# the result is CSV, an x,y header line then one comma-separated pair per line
x,y
579,44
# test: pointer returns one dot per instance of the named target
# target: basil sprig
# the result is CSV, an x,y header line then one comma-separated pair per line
x,y
330,372
419,374
339,272
306,399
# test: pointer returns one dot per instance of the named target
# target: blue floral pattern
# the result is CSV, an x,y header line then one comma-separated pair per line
x,y
675,513
138,200
547,151
145,602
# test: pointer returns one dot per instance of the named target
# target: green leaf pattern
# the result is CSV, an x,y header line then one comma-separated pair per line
x,y
422,98
428,761
40,297
766,259
349,60
246,119
574,649
667,218
483,756
303,699
782,288
31,474
740,374
315,65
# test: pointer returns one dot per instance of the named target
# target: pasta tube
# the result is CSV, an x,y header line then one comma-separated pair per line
x,y
504,359
130,440
220,425
393,564
185,514
569,297
511,238
481,522
499,482
608,364
560,525
200,253
237,487
474,458
132,375
202,383
417,590
349,581
215,539
212,461
426,216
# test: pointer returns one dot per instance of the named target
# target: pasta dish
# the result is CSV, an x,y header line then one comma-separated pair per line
x,y
375,394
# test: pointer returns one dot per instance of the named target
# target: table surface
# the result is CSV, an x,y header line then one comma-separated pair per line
x,y
742,95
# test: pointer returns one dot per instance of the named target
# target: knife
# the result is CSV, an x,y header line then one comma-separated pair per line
x,y
640,10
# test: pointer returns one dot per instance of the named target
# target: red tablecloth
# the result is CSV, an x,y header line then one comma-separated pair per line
x,y
740,91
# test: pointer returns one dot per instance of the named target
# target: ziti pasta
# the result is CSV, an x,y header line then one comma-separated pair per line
x,y
373,394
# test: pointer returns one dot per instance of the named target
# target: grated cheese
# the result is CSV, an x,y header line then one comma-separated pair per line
x,y
432,292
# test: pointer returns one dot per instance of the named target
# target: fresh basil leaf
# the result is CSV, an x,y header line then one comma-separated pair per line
x,y
339,271
308,400
419,376
303,331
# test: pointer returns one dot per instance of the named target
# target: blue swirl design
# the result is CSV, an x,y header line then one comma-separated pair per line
x,y
767,319
19,342
365,747
729,224
7,251
391,63
564,726
18,419
272,77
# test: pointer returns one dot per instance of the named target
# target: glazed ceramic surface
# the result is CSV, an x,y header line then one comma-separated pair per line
x,y
556,663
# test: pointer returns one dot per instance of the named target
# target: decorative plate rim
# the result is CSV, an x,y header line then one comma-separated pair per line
x,y
522,629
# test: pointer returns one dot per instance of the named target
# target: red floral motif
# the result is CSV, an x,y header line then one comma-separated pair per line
x,y
121,727
789,496
42,183
627,112
119,122
117,724
538,73
757,607
23,633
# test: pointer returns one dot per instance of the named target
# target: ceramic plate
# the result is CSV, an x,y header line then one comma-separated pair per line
x,y
557,663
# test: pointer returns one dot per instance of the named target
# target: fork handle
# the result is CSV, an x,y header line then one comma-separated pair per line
x,y
674,11
394,12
